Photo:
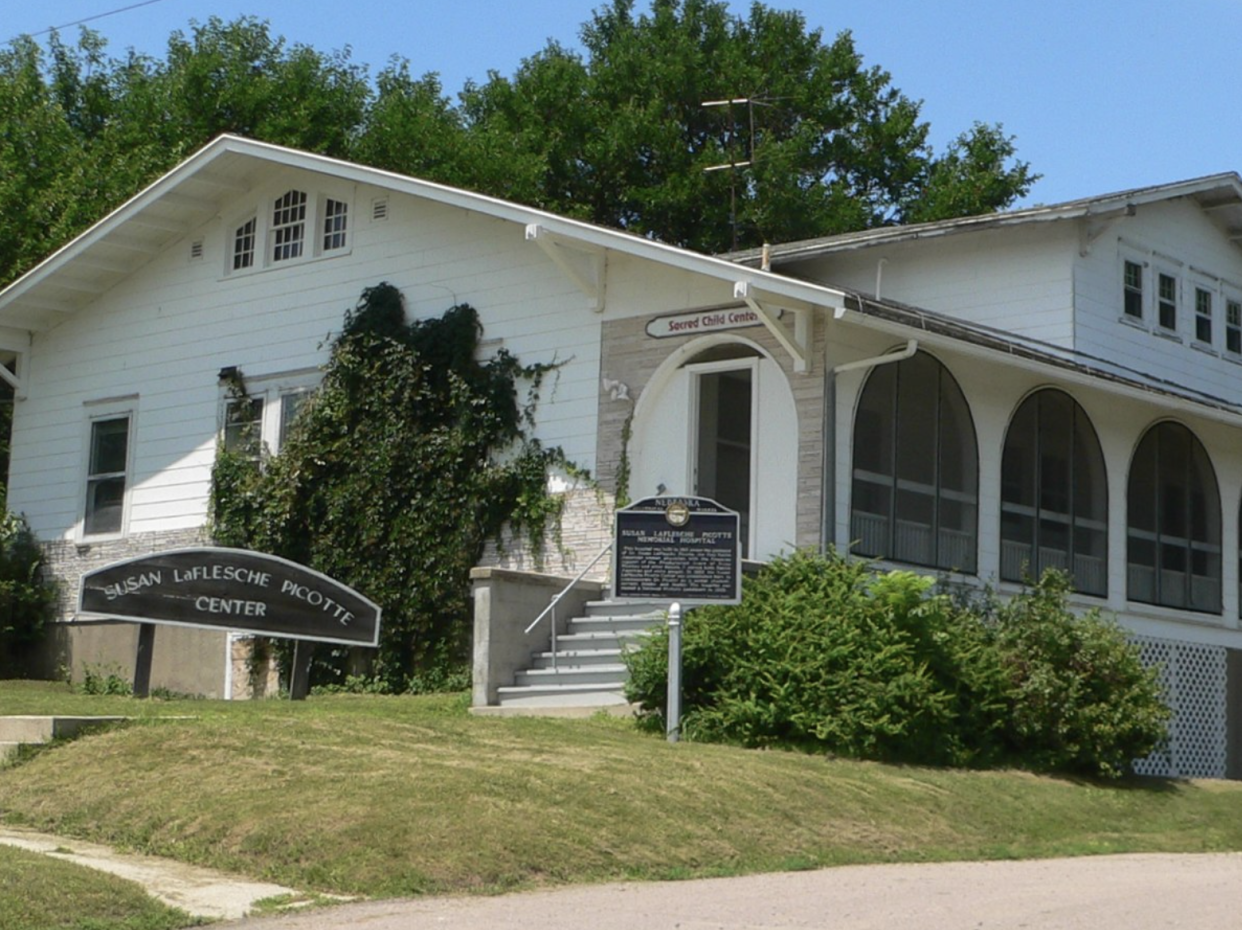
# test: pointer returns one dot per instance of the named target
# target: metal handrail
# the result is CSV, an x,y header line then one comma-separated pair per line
x,y
551,608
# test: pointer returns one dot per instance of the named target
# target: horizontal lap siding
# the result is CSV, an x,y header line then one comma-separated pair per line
x,y
1016,280
1163,234
165,332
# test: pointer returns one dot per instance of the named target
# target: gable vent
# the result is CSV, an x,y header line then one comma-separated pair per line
x,y
196,250
379,209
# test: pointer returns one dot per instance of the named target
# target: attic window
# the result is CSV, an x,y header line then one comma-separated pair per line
x,y
288,226
335,225
243,245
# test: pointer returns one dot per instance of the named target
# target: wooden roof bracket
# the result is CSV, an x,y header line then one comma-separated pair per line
x,y
584,266
15,343
797,343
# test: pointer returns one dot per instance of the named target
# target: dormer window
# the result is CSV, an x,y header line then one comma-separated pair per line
x,y
288,226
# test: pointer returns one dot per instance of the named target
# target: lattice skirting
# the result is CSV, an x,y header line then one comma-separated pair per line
x,y
1195,681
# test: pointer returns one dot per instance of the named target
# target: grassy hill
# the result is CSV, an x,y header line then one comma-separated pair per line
x,y
385,796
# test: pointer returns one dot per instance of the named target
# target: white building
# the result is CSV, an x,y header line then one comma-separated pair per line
x,y
1050,387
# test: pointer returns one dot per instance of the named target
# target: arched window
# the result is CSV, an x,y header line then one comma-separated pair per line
x,y
1173,522
288,229
916,467
1054,494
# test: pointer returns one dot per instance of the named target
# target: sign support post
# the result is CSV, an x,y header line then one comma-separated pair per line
x,y
142,661
673,721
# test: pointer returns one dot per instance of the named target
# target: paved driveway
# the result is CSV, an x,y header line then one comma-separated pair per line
x,y
1135,892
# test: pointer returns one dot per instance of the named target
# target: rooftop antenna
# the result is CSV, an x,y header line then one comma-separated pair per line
x,y
733,164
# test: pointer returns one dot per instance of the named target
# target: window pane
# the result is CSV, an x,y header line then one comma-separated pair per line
x,y
109,446
105,500
334,224
290,404
288,226
1134,290
243,426
1168,301
243,245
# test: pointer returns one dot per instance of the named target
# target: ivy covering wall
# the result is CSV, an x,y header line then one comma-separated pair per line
x,y
410,456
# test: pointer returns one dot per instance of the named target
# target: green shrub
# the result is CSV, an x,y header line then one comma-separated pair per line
x,y
826,654
27,600
100,679
1080,700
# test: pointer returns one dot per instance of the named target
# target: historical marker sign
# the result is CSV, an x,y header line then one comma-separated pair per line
x,y
231,589
682,549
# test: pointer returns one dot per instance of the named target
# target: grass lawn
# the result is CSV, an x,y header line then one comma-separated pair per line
x,y
38,891
385,796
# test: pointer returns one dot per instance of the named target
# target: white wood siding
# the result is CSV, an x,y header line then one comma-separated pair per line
x,y
1178,237
165,332
1018,280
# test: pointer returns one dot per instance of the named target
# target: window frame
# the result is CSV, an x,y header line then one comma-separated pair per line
x,y
317,241
98,412
1232,299
1162,274
286,235
1164,540
270,391
1038,511
1204,310
899,488
1142,291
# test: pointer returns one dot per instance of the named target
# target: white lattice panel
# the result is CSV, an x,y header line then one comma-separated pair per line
x,y
1194,679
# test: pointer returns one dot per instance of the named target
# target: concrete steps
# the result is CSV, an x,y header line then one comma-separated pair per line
x,y
588,668
26,730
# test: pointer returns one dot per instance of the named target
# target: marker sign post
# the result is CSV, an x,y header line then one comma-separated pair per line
x,y
228,589
684,550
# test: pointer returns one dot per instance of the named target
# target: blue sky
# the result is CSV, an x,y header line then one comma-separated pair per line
x,y
1102,96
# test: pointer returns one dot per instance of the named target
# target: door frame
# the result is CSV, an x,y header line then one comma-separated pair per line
x,y
695,371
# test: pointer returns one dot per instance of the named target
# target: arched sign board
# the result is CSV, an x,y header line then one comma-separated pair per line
x,y
231,589
683,550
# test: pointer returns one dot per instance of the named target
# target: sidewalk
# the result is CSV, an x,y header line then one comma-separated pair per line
x,y
198,891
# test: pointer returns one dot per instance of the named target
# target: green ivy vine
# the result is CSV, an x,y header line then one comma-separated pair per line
x,y
409,457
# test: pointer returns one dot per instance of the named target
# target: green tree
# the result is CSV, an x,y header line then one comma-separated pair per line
x,y
624,138
618,135
81,132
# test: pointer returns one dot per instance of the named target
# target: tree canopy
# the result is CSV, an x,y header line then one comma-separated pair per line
x,y
618,134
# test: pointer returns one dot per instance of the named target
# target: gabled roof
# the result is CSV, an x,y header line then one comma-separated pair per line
x,y
1219,195
199,188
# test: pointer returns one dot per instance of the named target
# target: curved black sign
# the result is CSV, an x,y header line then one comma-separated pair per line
x,y
231,589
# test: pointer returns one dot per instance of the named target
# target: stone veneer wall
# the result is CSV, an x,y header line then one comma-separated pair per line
x,y
185,660
68,561
629,356
586,528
